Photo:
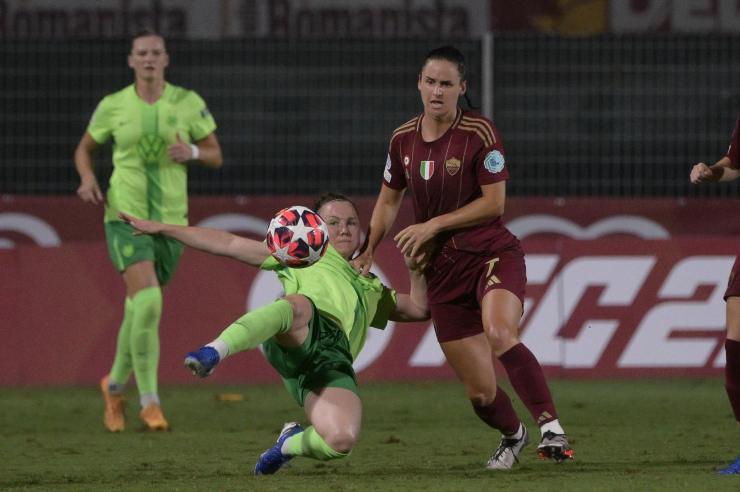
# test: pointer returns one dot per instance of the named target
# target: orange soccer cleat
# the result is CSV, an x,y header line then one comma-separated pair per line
x,y
153,418
114,417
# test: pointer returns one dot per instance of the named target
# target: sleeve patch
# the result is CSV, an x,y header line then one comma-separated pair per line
x,y
387,171
494,162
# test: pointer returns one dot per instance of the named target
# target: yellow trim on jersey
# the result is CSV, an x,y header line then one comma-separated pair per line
x,y
481,127
405,128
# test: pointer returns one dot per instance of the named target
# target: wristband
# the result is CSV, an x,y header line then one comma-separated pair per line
x,y
196,152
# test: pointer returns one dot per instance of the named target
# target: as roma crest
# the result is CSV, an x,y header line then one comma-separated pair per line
x,y
452,166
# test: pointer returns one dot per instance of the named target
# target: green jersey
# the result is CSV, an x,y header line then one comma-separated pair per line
x,y
145,181
339,292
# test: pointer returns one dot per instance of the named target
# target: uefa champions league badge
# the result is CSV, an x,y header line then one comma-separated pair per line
x,y
494,162
387,171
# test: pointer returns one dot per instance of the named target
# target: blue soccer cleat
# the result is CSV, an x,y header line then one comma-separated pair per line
x,y
273,459
202,362
732,469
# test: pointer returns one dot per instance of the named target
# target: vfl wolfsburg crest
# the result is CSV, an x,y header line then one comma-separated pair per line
x,y
426,169
150,147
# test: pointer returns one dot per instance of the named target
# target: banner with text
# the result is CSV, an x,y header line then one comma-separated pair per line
x,y
45,20
625,288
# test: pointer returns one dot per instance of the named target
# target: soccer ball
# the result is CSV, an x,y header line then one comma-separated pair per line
x,y
297,237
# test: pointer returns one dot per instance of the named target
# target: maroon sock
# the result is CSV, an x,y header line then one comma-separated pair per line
x,y
499,414
732,375
528,380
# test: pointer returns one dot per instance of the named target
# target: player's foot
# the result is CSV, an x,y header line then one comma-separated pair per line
x,y
732,469
508,452
202,362
555,446
153,418
273,459
114,417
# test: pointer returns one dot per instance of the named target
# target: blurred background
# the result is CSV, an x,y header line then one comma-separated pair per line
x,y
603,106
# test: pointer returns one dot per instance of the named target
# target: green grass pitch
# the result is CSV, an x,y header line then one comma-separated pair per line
x,y
628,435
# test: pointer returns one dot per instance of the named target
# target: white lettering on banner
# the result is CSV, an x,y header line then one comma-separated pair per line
x,y
539,269
729,17
622,278
42,233
676,15
626,224
428,353
652,345
627,17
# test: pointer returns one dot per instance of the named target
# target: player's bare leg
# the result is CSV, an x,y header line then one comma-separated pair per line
x,y
471,359
501,311
336,417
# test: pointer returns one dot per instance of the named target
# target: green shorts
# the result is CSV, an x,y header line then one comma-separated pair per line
x,y
125,249
323,361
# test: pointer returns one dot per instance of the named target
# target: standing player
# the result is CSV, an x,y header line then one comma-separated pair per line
x,y
452,161
310,336
157,129
728,169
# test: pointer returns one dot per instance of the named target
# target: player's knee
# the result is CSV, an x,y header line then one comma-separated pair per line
x,y
482,398
302,309
342,440
502,335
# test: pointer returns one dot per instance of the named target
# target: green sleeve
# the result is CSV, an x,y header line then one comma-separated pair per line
x,y
201,123
386,305
270,264
100,126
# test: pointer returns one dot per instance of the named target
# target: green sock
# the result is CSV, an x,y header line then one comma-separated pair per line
x,y
147,307
311,445
258,326
122,365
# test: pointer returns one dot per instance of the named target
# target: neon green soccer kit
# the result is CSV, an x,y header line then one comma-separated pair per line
x,y
145,182
345,305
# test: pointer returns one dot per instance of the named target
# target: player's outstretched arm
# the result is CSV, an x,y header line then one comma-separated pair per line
x,y
413,306
212,241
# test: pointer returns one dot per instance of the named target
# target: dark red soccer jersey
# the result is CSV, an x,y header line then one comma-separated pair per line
x,y
734,151
446,174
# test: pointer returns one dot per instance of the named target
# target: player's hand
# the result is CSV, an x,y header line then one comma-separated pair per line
x,y
89,191
180,151
141,226
362,262
412,240
701,173
417,263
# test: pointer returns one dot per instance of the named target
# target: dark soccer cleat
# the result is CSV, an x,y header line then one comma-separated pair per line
x,y
732,469
202,362
508,452
554,446
273,459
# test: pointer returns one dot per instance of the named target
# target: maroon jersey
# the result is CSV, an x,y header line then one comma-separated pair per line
x,y
734,151
447,174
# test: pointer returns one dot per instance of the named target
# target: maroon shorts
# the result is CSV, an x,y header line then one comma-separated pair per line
x,y
457,281
733,284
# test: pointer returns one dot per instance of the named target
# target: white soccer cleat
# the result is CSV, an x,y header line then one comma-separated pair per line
x,y
508,452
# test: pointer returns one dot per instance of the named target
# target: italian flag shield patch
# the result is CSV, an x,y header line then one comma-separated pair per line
x,y
426,169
